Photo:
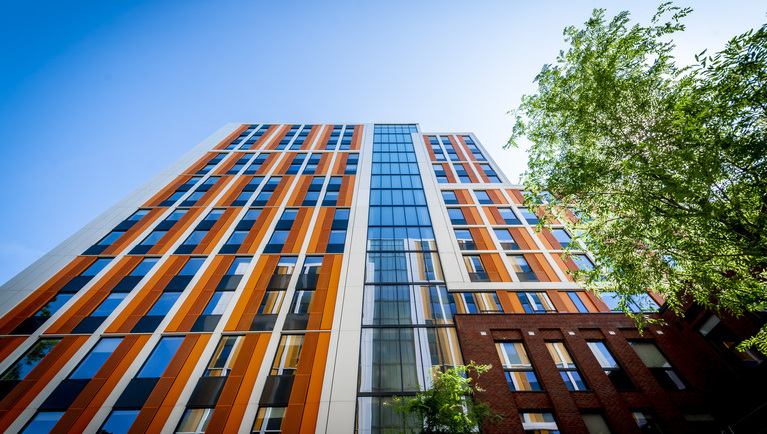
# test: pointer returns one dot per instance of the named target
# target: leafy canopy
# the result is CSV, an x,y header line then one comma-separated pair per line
x,y
447,406
665,165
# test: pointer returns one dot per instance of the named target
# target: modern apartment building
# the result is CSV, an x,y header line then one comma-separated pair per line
x,y
293,278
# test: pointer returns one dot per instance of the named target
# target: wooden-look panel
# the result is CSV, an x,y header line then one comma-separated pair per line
x,y
9,344
448,172
250,300
299,231
324,165
497,197
494,267
323,306
281,191
201,163
516,196
286,161
565,265
321,233
482,176
301,413
300,190
429,149
323,141
340,164
466,149
356,138
482,239
463,196
310,137
232,403
541,267
234,192
346,192
270,161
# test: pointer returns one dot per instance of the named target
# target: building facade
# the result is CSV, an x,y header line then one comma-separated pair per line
x,y
293,278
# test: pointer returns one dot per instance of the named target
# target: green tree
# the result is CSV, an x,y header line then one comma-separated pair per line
x,y
447,407
666,165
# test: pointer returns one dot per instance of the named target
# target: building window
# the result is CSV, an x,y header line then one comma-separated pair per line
x,y
95,359
288,352
163,304
439,171
509,216
567,369
579,305
476,268
19,370
478,302
109,304
277,241
53,305
563,238
160,358
456,216
634,303
110,238
517,366
465,240
449,197
336,241
536,302
539,423
351,164
194,421
43,422
529,216
506,239
330,199
612,369
490,173
583,262
647,422
269,420
522,269
482,197
226,353
463,175
119,422
657,363
595,423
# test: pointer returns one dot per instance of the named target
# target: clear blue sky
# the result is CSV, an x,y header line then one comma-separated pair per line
x,y
98,96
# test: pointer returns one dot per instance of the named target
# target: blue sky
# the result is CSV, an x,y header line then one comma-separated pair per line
x,y
97,97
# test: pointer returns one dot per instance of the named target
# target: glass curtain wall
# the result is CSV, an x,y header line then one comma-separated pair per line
x,y
407,313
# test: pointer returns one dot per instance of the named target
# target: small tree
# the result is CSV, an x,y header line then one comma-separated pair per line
x,y
447,407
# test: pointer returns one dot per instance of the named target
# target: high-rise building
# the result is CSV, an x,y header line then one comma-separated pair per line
x,y
293,278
